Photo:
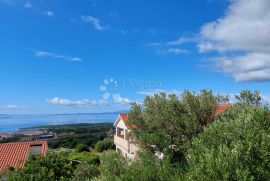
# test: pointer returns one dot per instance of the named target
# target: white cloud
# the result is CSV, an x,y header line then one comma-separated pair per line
x,y
48,13
157,91
27,5
248,67
266,99
12,106
41,54
242,40
94,21
164,49
170,47
76,103
177,51
117,98
183,40
153,44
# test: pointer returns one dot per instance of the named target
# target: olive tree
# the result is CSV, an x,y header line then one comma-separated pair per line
x,y
166,123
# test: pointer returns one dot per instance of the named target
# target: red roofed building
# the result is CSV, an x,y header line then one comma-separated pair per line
x,y
125,144
15,154
219,108
123,141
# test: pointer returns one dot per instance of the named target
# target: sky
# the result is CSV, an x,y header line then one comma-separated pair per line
x,y
99,56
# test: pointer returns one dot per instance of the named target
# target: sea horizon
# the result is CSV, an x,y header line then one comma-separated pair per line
x,y
13,122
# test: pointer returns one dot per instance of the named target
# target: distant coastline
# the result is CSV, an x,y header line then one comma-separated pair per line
x,y
18,123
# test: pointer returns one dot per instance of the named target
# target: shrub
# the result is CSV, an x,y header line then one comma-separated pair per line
x,y
167,120
147,168
235,147
105,145
85,172
50,168
86,157
112,163
81,148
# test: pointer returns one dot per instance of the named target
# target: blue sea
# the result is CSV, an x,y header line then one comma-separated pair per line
x,y
10,123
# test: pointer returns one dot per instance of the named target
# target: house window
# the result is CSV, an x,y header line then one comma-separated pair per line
x,y
120,132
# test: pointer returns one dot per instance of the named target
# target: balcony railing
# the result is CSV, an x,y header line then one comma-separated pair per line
x,y
121,142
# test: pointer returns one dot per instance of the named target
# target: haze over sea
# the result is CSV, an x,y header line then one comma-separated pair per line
x,y
10,123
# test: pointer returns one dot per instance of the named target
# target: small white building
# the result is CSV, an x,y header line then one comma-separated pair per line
x,y
123,140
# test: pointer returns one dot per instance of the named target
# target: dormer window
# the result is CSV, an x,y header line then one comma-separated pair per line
x,y
35,150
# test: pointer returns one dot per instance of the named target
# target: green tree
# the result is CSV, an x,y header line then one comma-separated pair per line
x,y
50,168
234,147
249,97
112,164
167,123
105,145
222,99
85,172
81,148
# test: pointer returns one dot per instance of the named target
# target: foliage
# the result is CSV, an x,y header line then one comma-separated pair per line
x,y
222,99
85,172
50,168
81,148
72,141
77,128
104,145
85,157
149,168
248,97
12,139
74,134
167,123
112,163
235,147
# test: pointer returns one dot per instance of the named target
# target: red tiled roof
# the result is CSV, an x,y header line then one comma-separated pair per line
x,y
15,154
219,108
124,117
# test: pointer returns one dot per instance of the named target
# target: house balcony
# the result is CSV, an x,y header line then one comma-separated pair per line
x,y
119,141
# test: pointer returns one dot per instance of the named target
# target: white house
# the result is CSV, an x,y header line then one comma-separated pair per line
x,y
123,141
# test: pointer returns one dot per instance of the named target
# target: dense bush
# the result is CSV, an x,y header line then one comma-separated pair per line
x,y
104,145
85,172
235,147
81,147
72,141
149,168
169,122
85,157
50,168
112,163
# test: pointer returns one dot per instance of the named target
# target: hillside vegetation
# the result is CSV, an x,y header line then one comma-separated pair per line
x,y
197,145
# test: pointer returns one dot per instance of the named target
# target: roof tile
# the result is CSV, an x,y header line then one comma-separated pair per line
x,y
15,154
